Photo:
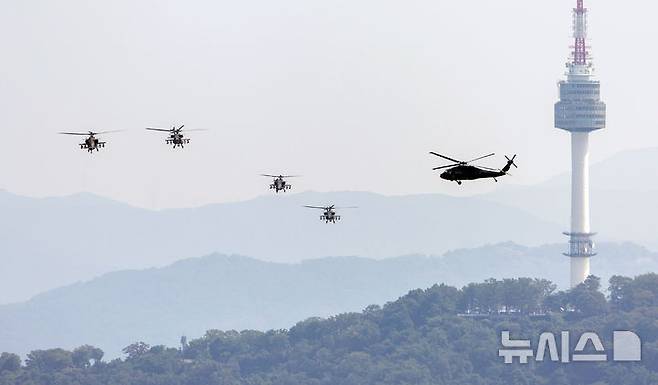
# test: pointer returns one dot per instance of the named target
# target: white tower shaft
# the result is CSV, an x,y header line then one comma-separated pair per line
x,y
580,225
580,183
580,270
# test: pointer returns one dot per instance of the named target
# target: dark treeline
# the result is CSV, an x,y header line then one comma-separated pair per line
x,y
426,337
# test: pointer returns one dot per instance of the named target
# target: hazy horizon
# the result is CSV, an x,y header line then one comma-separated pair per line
x,y
476,189
352,95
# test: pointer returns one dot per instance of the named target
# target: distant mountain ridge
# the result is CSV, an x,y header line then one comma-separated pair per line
x,y
630,170
623,195
51,242
232,292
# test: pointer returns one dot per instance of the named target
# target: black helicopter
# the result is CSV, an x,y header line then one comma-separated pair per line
x,y
461,170
279,183
176,136
91,143
330,213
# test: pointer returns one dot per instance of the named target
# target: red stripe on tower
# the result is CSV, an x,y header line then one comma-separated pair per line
x,y
580,34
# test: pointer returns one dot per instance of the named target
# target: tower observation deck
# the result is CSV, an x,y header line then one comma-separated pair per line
x,y
580,111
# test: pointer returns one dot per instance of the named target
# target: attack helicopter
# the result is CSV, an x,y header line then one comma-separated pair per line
x,y
92,142
329,214
176,136
461,170
279,183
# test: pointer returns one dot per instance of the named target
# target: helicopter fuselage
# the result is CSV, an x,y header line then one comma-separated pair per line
x,y
279,184
466,172
177,139
330,216
92,143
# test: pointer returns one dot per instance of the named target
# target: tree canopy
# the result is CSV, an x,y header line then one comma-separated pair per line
x,y
441,335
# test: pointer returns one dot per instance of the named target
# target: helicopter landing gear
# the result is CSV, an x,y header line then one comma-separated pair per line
x,y
459,182
495,180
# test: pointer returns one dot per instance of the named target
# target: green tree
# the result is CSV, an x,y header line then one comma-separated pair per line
x,y
86,355
587,299
9,362
136,350
619,290
49,360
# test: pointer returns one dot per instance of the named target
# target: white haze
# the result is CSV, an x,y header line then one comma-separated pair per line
x,y
350,93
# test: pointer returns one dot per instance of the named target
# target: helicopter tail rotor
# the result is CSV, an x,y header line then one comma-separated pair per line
x,y
510,163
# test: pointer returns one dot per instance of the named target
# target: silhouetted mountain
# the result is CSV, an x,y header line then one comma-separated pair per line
x,y
623,198
46,243
222,292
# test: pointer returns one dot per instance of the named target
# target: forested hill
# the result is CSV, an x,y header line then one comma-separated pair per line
x,y
442,336
231,292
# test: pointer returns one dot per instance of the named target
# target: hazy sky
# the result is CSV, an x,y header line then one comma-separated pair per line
x,y
350,93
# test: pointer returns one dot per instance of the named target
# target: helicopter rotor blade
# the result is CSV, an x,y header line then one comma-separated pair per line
x,y
158,129
89,133
445,157
316,207
104,132
343,208
448,166
489,168
480,158
282,176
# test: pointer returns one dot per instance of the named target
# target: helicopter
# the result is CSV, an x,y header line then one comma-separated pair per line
x,y
460,170
91,143
329,213
176,136
279,184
